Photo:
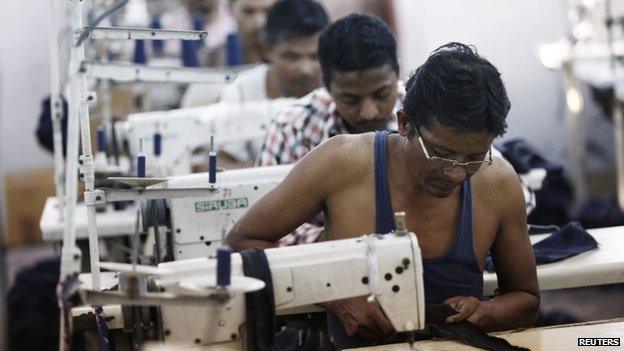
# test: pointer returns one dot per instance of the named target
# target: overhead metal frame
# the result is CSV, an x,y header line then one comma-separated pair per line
x,y
121,33
142,73
78,121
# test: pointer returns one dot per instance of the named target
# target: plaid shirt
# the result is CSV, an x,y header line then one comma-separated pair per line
x,y
298,129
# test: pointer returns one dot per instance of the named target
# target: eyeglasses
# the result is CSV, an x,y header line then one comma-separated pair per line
x,y
470,167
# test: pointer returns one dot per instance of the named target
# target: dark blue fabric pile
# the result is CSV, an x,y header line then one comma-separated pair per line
x,y
569,241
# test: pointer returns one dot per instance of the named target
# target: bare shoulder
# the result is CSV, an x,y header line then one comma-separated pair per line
x,y
349,152
500,172
347,156
498,184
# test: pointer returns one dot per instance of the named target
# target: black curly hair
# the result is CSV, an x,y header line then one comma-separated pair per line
x,y
458,88
294,18
356,42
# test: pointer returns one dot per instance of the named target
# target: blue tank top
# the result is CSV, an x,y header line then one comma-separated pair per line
x,y
455,273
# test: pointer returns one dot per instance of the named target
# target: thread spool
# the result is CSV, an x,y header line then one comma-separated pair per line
x,y
189,53
157,45
101,139
234,50
141,161
224,266
139,57
212,163
190,48
157,144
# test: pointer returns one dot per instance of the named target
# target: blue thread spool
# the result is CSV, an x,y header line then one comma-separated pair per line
x,y
234,50
189,54
141,166
157,144
199,23
212,163
101,139
157,45
212,168
224,266
141,161
139,52
190,48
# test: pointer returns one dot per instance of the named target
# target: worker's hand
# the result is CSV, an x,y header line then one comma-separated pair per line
x,y
361,318
471,309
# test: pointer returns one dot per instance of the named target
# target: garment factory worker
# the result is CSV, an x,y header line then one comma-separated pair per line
x,y
291,33
251,17
361,93
292,69
460,200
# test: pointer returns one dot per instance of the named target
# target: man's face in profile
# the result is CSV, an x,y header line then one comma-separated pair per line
x,y
365,99
297,65
251,16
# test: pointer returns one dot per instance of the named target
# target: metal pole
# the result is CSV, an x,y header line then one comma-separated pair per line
x,y
618,121
87,169
78,123
107,113
56,108
618,113
576,140
3,287
68,264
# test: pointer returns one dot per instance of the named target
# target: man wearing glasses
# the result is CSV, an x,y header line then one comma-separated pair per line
x,y
461,201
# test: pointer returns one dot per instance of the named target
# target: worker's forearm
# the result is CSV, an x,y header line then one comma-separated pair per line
x,y
511,310
244,244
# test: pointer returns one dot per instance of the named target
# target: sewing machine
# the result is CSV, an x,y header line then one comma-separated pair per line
x,y
198,309
597,267
182,131
185,130
199,224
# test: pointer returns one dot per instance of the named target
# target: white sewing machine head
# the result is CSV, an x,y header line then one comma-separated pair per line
x,y
199,224
387,268
185,130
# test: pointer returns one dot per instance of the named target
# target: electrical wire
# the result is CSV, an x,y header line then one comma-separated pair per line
x,y
109,11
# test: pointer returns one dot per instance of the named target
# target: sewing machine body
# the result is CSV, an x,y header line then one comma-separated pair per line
x,y
199,225
185,130
387,267
111,222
